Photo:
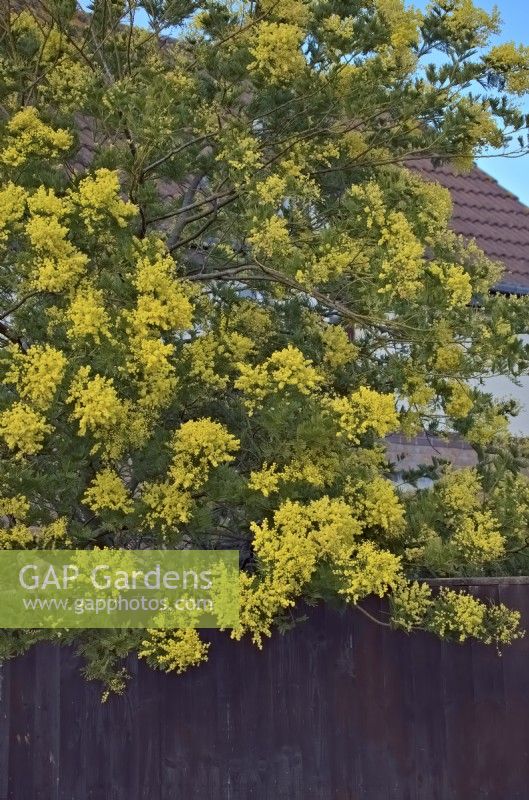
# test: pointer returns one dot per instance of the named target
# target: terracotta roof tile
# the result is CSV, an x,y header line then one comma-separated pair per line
x,y
488,213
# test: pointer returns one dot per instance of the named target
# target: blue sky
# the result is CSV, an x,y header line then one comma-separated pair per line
x,y
512,173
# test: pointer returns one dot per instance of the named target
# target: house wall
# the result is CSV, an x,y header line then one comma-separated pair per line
x,y
501,387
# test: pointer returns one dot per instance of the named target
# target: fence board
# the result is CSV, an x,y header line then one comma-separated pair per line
x,y
513,738
428,721
5,719
46,724
21,744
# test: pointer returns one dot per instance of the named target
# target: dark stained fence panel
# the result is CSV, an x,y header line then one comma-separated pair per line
x,y
337,709
5,720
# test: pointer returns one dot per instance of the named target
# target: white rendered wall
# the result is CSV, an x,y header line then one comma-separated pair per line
x,y
502,388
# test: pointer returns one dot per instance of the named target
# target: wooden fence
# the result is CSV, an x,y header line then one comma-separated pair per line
x,y
337,709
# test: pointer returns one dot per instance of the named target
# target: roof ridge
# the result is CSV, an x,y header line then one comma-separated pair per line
x,y
491,178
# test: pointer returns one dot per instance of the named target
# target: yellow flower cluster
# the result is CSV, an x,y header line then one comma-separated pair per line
x,y
487,427
457,615
237,346
212,355
54,45
330,263
474,532
242,154
403,23
17,507
262,600
272,189
434,205
169,504
37,374
29,137
86,314
47,235
470,23
369,571
363,411
12,207
200,444
481,125
460,403
25,24
403,263
354,143
400,251
98,199
512,62
266,480
43,537
67,83
162,304
296,168
270,238
314,468
339,350
285,369
377,505
49,41
174,650
250,318
97,407
477,539
461,493
455,281
197,446
276,48
448,357
108,492
288,553
343,27
59,265
418,392
47,202
504,329
163,300
329,523
458,285
23,429
203,354
152,366
19,537
372,208
54,535
501,625
410,604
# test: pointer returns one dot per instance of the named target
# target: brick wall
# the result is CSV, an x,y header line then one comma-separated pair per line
x,y
411,453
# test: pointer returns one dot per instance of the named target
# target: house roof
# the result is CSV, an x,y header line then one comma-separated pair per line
x,y
488,213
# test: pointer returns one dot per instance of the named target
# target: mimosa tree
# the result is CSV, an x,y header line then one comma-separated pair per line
x,y
210,324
